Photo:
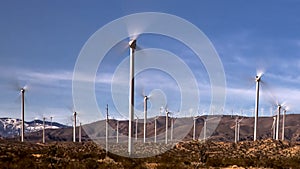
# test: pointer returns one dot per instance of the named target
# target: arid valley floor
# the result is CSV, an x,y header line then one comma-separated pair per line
x,y
190,154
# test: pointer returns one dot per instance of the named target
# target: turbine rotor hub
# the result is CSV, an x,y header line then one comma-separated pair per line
x,y
257,78
132,44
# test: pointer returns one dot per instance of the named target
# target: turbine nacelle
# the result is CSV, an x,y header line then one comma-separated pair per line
x,y
146,98
23,89
286,108
132,44
279,106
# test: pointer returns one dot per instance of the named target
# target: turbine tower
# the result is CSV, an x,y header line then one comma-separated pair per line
x,y
277,122
74,127
22,113
132,45
204,132
205,126
136,128
257,79
274,127
145,117
166,137
117,131
194,128
155,128
44,129
106,130
236,130
79,132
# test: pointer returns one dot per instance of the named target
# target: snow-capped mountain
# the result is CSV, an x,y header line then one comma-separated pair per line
x,y
11,127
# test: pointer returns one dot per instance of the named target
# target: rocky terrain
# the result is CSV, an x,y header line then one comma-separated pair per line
x,y
188,154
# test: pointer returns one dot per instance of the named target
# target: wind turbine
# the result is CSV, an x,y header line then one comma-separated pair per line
x,y
74,126
166,137
23,89
155,96
117,131
79,133
194,128
195,118
106,130
274,127
136,128
279,107
237,129
155,128
44,129
205,126
132,45
257,80
145,117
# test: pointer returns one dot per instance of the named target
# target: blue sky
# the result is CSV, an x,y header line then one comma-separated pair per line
x,y
40,42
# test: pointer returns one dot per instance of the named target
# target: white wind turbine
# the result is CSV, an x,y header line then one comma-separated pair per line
x,y
167,125
106,130
44,118
205,126
194,128
145,117
156,97
22,91
132,45
279,108
274,127
277,121
257,80
195,118
155,128
74,125
237,129
136,127
118,131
